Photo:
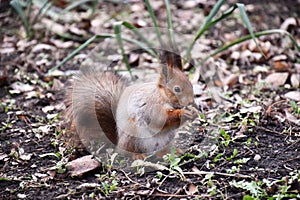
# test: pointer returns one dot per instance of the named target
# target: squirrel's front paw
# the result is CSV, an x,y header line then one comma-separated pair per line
x,y
190,112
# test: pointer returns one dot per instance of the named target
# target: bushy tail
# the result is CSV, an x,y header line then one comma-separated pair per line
x,y
91,106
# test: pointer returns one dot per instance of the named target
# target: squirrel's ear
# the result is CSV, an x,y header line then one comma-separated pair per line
x,y
166,73
170,61
171,58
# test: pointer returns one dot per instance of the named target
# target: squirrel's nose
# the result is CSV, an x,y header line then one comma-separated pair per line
x,y
188,102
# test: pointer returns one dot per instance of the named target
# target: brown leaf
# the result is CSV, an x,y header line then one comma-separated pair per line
x,y
191,189
281,66
293,95
82,165
230,80
277,79
288,22
290,117
295,80
21,87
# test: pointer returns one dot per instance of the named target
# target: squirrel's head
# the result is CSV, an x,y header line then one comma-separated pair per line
x,y
174,85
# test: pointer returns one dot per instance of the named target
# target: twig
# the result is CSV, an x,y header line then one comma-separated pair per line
x,y
125,174
291,159
270,107
180,195
217,173
268,130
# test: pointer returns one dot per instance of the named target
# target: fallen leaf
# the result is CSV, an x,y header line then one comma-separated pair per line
x,y
277,79
288,22
62,45
253,109
279,58
235,55
230,80
52,116
192,189
142,163
89,185
3,156
198,90
290,117
53,26
293,95
21,196
257,157
82,165
25,156
40,47
295,80
31,94
281,66
46,109
44,129
21,87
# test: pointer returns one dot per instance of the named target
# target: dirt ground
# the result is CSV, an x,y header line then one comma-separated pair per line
x,y
254,155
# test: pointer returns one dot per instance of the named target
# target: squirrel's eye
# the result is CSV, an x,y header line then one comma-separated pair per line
x,y
177,89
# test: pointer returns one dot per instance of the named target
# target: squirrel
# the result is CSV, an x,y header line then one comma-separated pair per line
x,y
139,118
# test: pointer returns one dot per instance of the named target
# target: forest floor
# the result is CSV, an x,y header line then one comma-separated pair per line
x,y
255,149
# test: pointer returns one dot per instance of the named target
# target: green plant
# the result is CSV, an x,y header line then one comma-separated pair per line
x,y
226,138
253,187
108,182
295,107
24,8
258,189
207,181
210,21
174,161
234,153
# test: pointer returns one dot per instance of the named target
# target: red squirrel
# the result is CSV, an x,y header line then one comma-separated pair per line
x,y
140,118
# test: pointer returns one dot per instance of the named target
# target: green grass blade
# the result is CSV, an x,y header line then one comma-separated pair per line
x,y
81,47
75,4
151,12
103,36
142,37
89,41
248,37
17,6
28,9
170,25
117,30
44,8
204,27
246,20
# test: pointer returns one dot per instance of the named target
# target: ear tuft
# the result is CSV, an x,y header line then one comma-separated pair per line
x,y
172,58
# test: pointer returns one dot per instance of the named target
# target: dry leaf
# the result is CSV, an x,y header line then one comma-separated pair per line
x,y
53,26
277,79
191,190
40,47
82,165
18,86
257,157
288,22
46,109
281,66
25,156
290,117
293,95
295,80
44,129
230,80
253,109
279,58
